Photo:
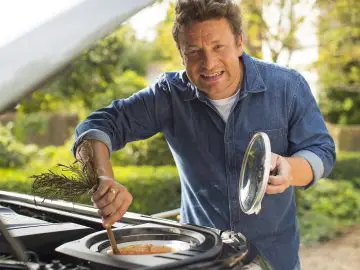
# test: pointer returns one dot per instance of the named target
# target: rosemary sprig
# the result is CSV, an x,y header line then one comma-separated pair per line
x,y
74,180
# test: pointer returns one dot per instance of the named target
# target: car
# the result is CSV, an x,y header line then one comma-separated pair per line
x,y
38,233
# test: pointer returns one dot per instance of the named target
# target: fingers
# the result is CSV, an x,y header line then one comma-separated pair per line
x,y
274,161
279,179
110,208
277,184
112,200
109,220
104,185
106,199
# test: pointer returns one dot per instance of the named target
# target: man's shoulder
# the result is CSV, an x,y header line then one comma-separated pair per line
x,y
175,77
176,82
274,72
178,79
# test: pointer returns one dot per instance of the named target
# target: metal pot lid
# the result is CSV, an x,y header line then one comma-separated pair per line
x,y
254,175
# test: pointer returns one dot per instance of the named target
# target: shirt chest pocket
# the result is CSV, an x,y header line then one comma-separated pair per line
x,y
278,139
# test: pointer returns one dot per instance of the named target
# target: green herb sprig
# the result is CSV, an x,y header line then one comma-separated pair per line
x,y
75,180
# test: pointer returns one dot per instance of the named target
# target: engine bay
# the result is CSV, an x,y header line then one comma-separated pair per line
x,y
63,235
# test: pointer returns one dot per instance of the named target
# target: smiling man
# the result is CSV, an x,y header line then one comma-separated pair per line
x,y
208,114
210,53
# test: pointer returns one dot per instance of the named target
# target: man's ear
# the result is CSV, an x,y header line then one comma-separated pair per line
x,y
181,54
182,61
240,45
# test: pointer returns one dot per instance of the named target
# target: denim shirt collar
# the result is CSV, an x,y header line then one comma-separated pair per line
x,y
253,82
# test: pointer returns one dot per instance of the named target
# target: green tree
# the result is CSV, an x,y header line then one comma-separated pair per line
x,y
98,73
339,60
278,36
170,56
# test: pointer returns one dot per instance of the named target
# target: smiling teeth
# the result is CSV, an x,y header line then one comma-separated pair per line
x,y
212,75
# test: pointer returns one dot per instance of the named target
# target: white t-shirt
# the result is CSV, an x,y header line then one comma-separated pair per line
x,y
225,105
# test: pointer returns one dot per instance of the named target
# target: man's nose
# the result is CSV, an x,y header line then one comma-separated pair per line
x,y
208,60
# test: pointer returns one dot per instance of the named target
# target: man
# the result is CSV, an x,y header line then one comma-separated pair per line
x,y
208,114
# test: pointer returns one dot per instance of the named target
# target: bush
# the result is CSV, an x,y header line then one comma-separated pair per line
x,y
13,153
154,189
153,151
48,157
315,227
347,167
338,64
327,207
15,180
30,124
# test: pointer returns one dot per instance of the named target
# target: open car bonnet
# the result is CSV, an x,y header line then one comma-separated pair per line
x,y
41,53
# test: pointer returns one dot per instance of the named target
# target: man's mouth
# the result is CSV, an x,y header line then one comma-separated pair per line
x,y
212,76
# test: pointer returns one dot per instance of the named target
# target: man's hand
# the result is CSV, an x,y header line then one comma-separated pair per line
x,y
112,200
280,175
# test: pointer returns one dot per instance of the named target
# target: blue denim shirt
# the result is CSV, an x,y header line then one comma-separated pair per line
x,y
208,152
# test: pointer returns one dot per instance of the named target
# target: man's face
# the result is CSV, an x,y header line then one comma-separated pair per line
x,y
210,54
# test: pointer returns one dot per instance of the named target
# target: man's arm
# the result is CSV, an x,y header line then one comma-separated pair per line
x,y
137,117
301,171
311,148
111,198
290,171
99,158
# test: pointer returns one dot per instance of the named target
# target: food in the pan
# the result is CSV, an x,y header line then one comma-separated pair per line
x,y
145,249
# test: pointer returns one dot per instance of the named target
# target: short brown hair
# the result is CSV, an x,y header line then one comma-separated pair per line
x,y
187,11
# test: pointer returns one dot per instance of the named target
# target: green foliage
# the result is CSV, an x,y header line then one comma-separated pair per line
x,y
153,151
340,106
325,208
254,26
15,180
347,167
13,153
48,157
155,189
170,56
339,60
97,72
124,85
315,227
279,33
29,124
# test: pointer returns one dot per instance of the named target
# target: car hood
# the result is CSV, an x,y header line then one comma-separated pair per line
x,y
38,55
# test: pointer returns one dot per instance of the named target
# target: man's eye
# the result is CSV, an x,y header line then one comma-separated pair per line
x,y
218,47
193,52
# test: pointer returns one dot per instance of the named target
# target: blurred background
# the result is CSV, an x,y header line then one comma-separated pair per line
x,y
318,38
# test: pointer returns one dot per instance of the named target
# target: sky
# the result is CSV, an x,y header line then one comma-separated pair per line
x,y
20,16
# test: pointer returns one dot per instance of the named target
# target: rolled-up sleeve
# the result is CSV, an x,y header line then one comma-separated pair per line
x,y
92,134
138,117
308,135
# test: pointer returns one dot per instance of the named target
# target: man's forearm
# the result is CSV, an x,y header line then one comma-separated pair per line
x,y
301,171
100,158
